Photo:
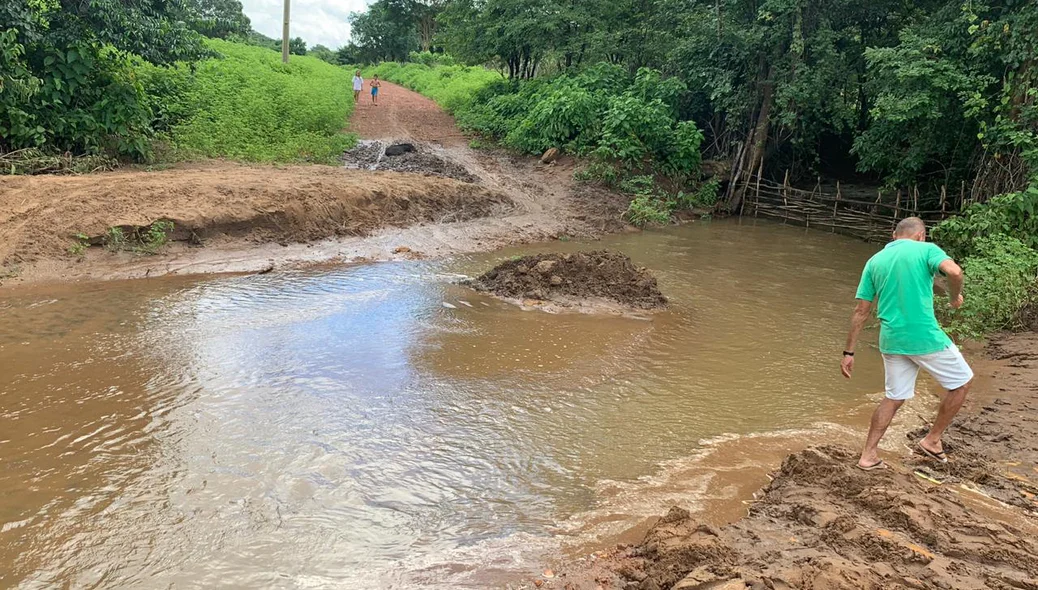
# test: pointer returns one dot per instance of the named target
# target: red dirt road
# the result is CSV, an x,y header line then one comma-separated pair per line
x,y
403,114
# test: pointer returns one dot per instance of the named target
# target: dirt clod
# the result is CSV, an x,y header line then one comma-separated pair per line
x,y
565,278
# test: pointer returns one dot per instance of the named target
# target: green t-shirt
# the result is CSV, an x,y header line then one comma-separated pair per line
x,y
901,275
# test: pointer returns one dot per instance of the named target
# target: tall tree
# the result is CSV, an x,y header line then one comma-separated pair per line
x,y
218,18
387,31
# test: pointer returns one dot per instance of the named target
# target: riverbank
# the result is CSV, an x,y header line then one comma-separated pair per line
x,y
822,523
245,218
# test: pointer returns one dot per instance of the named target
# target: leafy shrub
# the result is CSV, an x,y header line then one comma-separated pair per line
x,y
1010,214
452,87
598,171
427,58
249,105
1000,280
705,197
86,100
653,206
564,116
602,110
648,209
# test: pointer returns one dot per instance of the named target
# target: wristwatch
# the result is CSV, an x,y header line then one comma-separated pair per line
x,y
848,353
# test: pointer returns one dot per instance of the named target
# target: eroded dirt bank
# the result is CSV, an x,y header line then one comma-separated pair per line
x,y
45,218
823,524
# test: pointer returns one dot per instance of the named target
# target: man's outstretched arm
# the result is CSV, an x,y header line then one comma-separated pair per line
x,y
862,311
953,273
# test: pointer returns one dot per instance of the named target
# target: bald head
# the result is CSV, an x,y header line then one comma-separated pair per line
x,y
911,228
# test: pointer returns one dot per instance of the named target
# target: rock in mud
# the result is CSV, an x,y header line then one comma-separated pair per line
x,y
399,149
550,156
572,278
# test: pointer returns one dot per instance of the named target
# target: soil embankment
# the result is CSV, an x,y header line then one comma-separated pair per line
x,y
579,280
824,524
41,216
439,198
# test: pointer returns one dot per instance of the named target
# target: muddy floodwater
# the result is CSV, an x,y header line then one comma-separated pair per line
x,y
376,426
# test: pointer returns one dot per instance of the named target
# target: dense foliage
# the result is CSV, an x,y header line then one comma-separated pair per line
x,y
392,29
602,112
248,105
931,93
998,244
91,80
67,81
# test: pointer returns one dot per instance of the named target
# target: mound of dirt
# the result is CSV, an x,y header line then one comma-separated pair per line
x,y
404,157
41,215
569,278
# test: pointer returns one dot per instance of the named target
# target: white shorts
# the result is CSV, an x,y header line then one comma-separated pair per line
x,y
947,367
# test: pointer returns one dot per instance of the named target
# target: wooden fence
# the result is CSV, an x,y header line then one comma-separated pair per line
x,y
871,221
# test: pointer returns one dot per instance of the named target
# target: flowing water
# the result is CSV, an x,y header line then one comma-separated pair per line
x,y
376,426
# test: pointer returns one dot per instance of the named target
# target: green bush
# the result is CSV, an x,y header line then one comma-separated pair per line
x,y
648,209
1000,281
427,58
602,110
452,87
85,100
564,115
705,197
1010,214
248,105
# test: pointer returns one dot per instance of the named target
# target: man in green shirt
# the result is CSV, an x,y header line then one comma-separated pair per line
x,y
900,281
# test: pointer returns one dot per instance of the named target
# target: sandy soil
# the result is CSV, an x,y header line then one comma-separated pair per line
x,y
822,523
255,218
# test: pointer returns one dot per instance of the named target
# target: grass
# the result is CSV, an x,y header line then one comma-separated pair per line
x,y
248,105
451,87
145,240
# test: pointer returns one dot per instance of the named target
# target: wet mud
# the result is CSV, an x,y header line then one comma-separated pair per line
x,y
413,158
571,279
822,523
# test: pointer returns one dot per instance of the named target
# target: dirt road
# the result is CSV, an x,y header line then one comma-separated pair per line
x,y
404,115
252,218
823,524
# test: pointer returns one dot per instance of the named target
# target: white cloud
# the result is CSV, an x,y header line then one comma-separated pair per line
x,y
316,21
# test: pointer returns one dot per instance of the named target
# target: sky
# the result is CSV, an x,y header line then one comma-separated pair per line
x,y
316,21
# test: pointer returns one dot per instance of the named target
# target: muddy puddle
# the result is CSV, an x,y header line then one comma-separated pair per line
x,y
378,426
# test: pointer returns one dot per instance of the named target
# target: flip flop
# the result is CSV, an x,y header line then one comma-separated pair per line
x,y
875,466
941,457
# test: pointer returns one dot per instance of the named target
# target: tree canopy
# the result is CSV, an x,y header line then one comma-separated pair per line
x,y
932,92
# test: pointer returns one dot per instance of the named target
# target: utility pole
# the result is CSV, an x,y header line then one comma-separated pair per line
x,y
284,36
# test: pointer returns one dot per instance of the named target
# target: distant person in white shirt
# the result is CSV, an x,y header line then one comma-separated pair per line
x,y
358,85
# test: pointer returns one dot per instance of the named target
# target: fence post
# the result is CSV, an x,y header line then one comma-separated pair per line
x,y
760,172
835,204
944,200
897,211
962,195
785,198
915,199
